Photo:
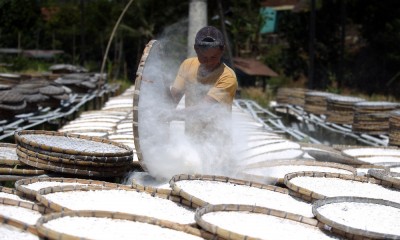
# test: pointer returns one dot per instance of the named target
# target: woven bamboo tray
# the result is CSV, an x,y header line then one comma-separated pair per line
x,y
136,96
311,193
391,179
15,231
289,198
52,143
358,226
183,211
283,154
51,233
374,155
238,223
8,155
75,170
96,159
269,171
22,185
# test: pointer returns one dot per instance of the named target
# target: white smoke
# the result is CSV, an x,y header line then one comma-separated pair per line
x,y
167,150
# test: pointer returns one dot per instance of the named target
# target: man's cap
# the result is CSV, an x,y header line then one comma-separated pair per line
x,y
209,37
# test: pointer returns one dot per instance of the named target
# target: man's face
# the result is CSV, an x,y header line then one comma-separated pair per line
x,y
209,58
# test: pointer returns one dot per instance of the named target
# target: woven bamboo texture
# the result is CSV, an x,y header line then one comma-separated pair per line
x,y
226,234
71,169
70,161
52,234
299,163
21,185
195,201
96,159
311,196
348,231
136,97
21,137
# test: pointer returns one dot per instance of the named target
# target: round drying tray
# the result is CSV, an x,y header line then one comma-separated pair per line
x,y
231,221
96,159
122,199
148,83
70,169
61,160
276,170
8,154
210,189
30,186
390,179
359,218
73,144
318,185
91,224
374,155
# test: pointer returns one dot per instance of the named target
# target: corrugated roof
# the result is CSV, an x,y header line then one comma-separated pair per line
x,y
253,67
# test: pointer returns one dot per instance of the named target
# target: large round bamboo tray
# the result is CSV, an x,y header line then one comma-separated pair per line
x,y
326,153
318,185
149,85
389,178
71,169
340,109
374,155
359,218
96,159
21,214
29,187
211,189
58,142
113,225
121,199
230,221
275,171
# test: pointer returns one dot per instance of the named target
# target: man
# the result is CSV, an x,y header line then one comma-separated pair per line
x,y
208,84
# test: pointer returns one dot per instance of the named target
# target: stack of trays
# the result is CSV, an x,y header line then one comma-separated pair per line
x,y
340,109
315,102
394,128
293,96
11,103
73,154
55,93
372,117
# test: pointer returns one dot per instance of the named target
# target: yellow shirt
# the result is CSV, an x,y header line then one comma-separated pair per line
x,y
221,84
